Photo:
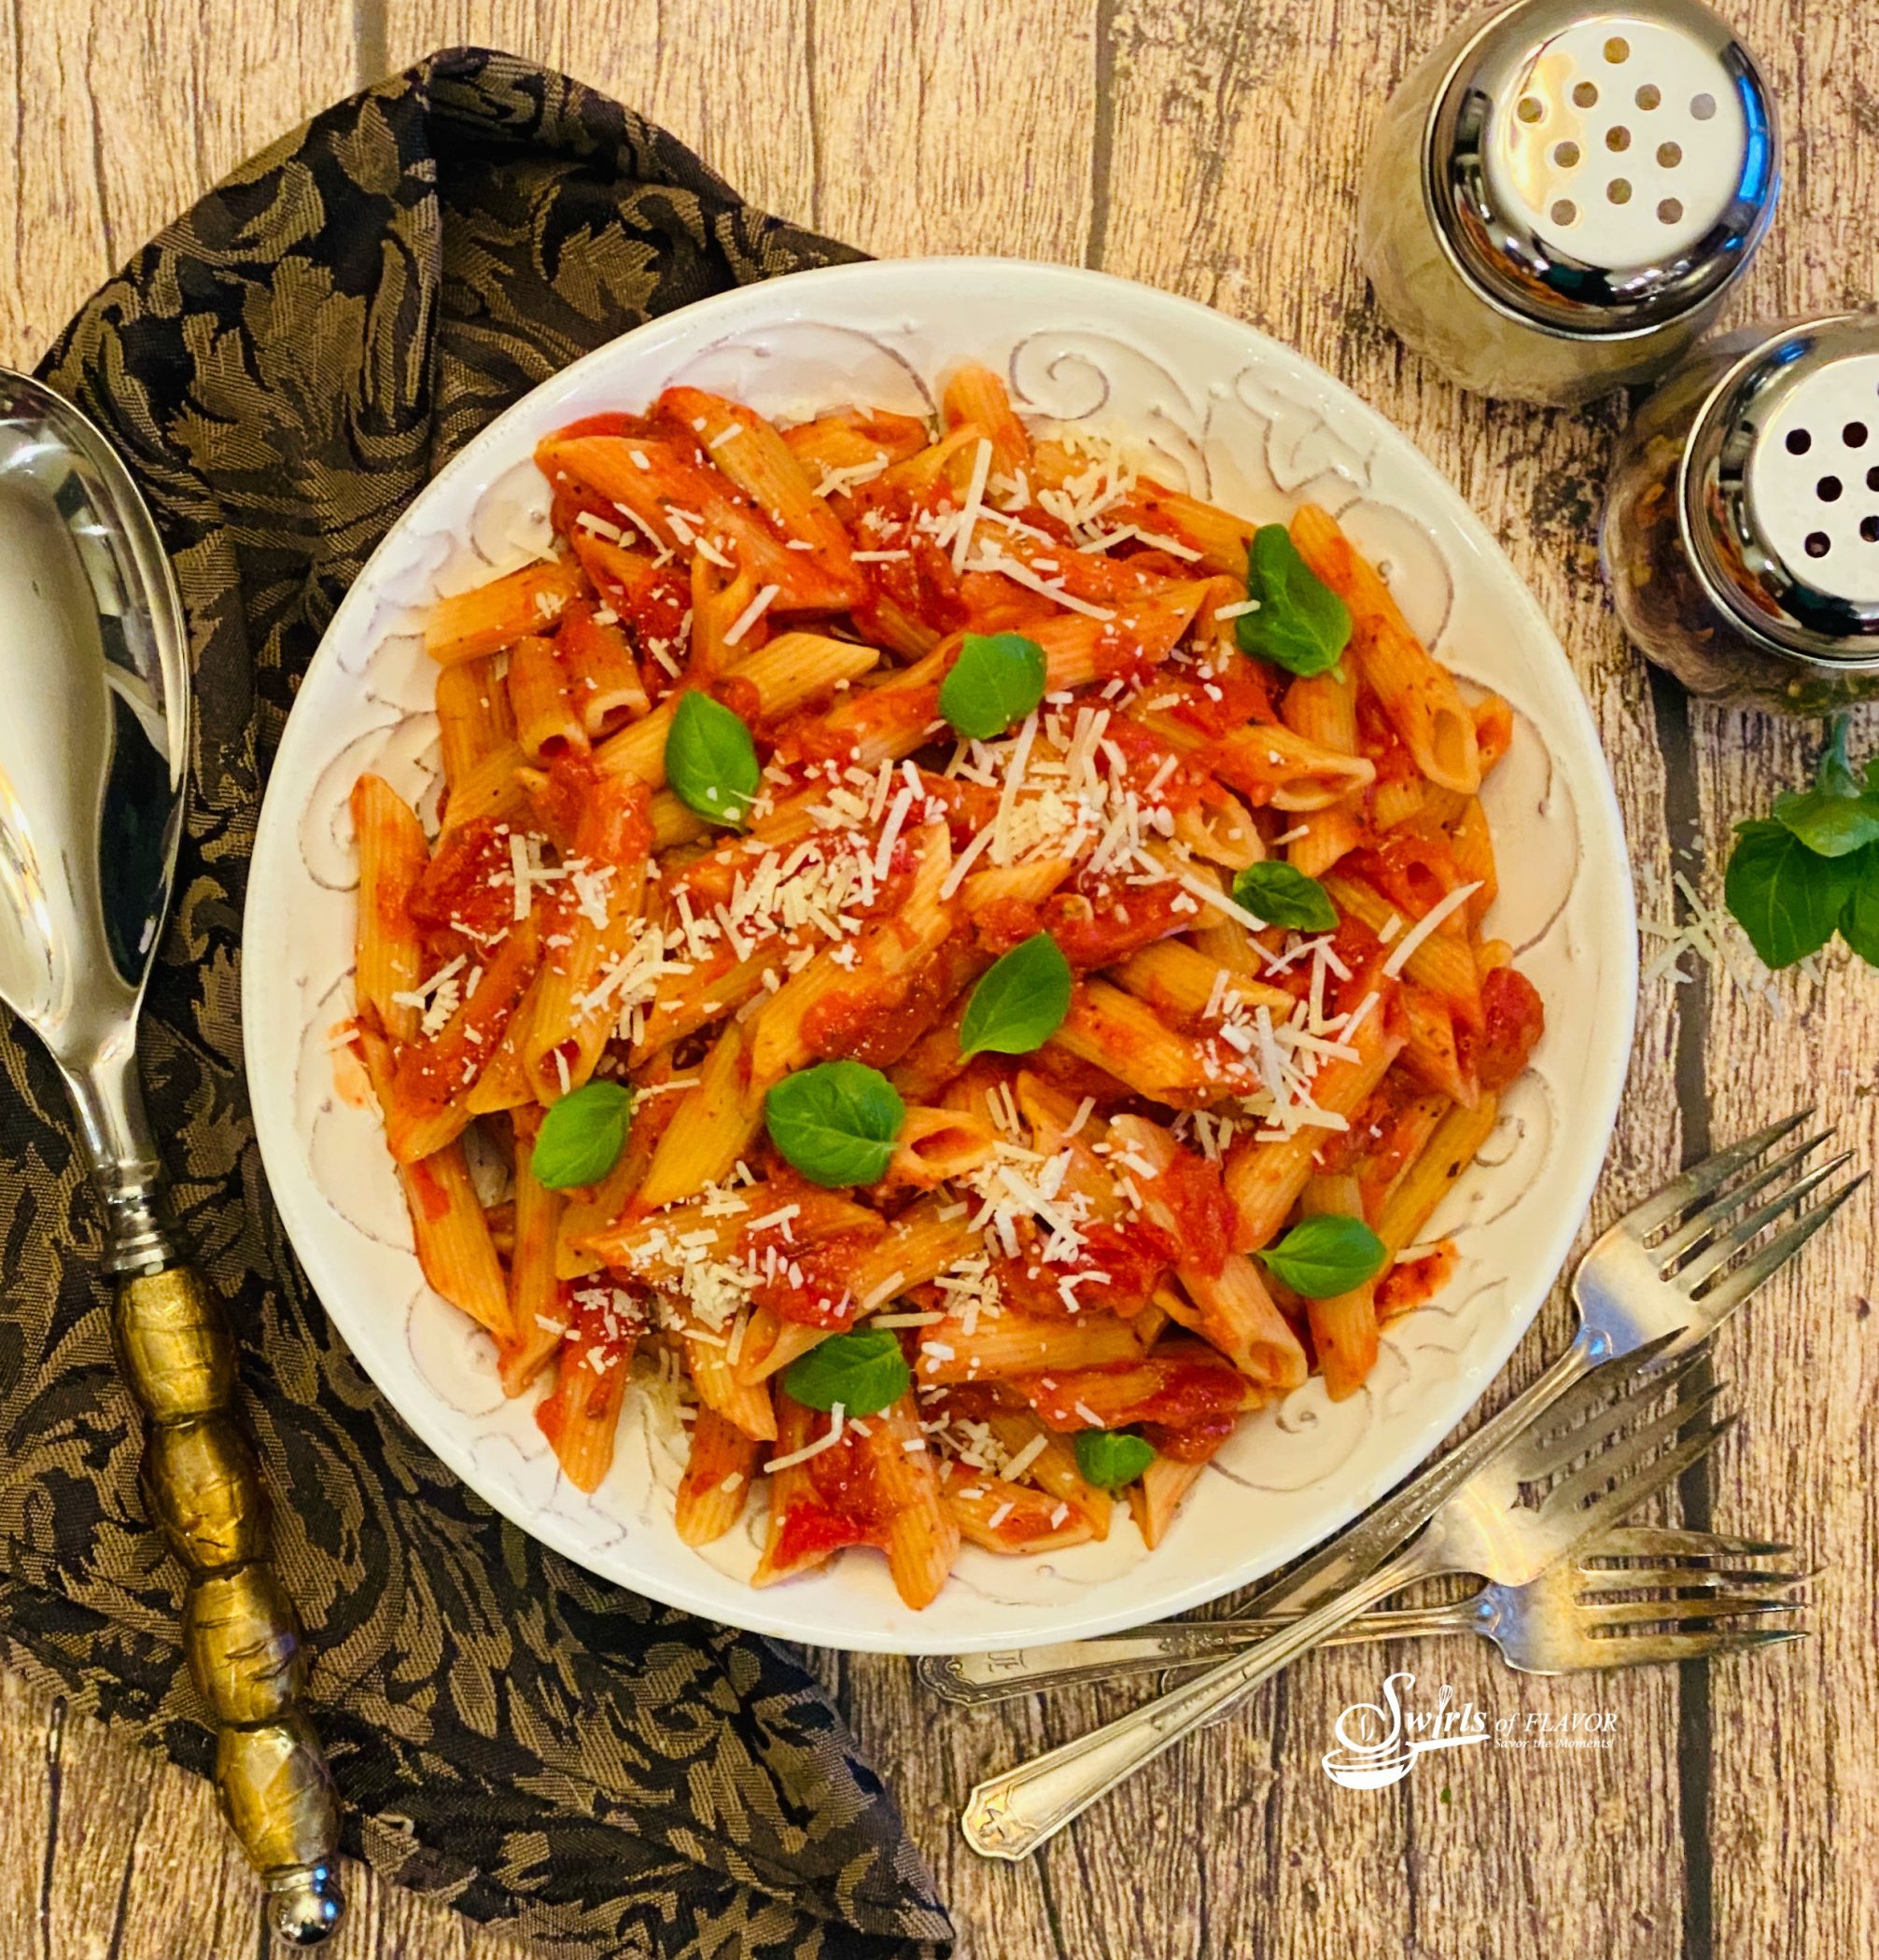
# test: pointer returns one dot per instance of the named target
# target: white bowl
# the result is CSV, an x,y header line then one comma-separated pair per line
x,y
1227,414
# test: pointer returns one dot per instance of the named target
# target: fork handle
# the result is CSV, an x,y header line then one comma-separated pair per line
x,y
976,1680
1009,1816
1395,1521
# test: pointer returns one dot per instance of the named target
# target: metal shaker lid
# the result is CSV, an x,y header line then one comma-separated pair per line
x,y
1779,491
1601,171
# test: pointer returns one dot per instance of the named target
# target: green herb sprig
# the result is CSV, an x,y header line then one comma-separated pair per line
x,y
581,1136
1811,867
835,1122
1300,623
1324,1256
864,1371
996,682
1020,1002
710,760
1282,895
1110,1458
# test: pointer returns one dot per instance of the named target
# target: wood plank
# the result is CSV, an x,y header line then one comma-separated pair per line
x,y
133,111
970,133
732,82
1793,1794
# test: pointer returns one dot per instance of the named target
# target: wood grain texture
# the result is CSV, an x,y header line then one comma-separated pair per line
x,y
1211,148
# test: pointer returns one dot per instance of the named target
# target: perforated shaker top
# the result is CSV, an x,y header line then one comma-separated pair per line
x,y
1779,491
1603,170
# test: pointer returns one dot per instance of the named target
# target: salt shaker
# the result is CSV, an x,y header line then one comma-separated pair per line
x,y
1741,531
1560,198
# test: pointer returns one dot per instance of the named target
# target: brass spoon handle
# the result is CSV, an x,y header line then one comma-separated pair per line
x,y
203,1491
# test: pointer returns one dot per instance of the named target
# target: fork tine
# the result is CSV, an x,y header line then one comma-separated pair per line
x,y
1608,1386
1696,1270
1629,1578
1550,1450
1565,1507
1733,1288
1631,1649
1700,1223
1665,1613
1659,1210
1636,1541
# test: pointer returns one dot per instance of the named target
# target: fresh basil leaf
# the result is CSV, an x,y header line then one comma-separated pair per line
x,y
1020,1002
996,682
835,1122
864,1371
1831,826
583,1135
710,760
1110,1458
1302,625
1835,817
1786,898
1282,895
1324,1256
1860,921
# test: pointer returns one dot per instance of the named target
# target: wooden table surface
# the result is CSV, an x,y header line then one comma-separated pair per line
x,y
1210,147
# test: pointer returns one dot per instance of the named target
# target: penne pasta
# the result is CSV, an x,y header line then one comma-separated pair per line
x,y
392,856
1344,1324
1419,695
719,1473
932,1099
469,625
473,720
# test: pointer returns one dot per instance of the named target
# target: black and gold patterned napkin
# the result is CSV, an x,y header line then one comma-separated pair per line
x,y
284,368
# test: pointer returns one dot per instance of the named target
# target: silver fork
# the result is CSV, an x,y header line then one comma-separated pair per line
x,y
1623,1453
1701,1595
1663,1270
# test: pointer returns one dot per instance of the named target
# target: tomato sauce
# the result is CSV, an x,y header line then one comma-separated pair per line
x,y
1413,870
1130,1259
611,423
845,1503
1415,1281
455,890
1243,687
810,1532
813,1289
1094,921
1196,1443
1374,1124
878,1022
1379,743
1191,1189
421,1181
1513,1019
1175,1391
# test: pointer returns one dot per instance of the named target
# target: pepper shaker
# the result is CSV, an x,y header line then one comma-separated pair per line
x,y
1561,197
1741,529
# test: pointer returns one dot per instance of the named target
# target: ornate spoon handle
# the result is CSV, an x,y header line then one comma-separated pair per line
x,y
203,1492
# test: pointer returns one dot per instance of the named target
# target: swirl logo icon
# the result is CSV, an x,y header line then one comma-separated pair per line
x,y
1378,1746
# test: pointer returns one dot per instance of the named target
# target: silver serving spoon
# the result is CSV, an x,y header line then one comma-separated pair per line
x,y
94,741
